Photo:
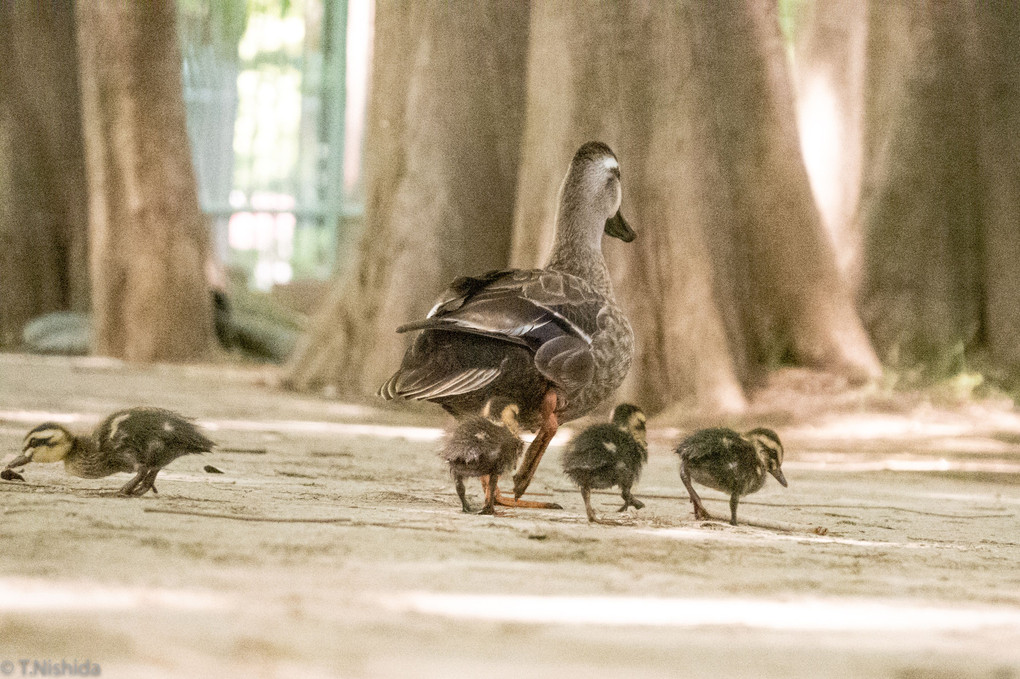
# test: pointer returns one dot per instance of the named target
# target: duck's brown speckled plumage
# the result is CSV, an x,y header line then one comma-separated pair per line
x,y
520,333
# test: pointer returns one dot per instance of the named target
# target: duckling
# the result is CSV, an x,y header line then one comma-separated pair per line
x,y
485,446
553,340
137,440
607,455
722,459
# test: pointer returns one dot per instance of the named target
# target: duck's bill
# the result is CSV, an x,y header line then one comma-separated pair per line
x,y
19,461
617,227
778,473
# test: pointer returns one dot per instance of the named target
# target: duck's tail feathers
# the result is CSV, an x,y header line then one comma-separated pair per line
x,y
423,385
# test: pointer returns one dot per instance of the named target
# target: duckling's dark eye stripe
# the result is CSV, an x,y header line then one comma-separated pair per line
x,y
39,441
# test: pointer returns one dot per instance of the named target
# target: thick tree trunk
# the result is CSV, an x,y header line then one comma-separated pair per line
x,y
999,35
920,210
443,137
829,68
149,239
43,228
732,268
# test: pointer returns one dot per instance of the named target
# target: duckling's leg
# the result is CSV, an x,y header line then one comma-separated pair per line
x,y
537,448
699,509
489,486
586,496
129,488
593,517
148,482
628,499
462,494
734,499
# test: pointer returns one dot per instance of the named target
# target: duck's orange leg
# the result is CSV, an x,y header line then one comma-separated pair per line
x,y
537,448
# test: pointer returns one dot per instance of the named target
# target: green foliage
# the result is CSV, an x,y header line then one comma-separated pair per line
x,y
954,375
791,13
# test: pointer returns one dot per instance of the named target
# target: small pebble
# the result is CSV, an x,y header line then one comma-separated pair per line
x,y
209,469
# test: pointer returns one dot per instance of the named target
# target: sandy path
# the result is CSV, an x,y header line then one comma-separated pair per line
x,y
332,545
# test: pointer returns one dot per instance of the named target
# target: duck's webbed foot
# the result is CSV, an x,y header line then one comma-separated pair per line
x,y
505,501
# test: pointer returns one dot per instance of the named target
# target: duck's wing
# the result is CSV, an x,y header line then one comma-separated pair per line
x,y
551,313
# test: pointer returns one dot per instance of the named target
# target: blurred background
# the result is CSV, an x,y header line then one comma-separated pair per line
x,y
826,193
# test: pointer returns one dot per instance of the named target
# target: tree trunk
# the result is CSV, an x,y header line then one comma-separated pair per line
x,y
43,222
921,294
149,240
732,268
443,134
829,67
999,35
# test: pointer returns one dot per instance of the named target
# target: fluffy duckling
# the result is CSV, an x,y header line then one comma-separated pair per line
x,y
138,440
485,446
607,455
722,459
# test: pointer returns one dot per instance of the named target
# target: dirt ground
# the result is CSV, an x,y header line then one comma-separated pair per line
x,y
333,546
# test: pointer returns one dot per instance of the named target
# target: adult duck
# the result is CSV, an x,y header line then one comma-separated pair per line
x,y
552,340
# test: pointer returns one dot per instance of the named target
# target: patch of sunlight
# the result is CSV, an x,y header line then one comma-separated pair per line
x,y
805,614
911,465
821,143
39,416
35,595
872,426
311,427
327,428
748,534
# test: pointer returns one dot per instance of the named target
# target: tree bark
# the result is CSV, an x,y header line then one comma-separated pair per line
x,y
443,137
998,33
732,269
829,66
149,239
43,222
921,198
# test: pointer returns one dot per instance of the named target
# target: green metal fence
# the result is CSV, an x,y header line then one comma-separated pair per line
x,y
267,100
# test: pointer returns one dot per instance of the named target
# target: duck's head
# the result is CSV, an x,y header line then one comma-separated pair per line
x,y
766,443
632,420
593,181
48,442
503,411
